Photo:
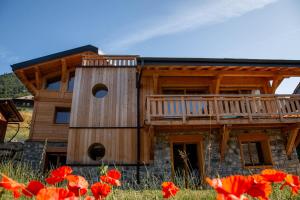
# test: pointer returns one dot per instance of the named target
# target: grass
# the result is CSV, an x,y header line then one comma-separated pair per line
x,y
23,133
23,174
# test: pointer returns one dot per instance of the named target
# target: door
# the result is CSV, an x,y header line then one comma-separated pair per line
x,y
187,168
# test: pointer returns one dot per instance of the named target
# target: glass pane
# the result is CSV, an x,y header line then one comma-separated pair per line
x,y
53,84
178,149
71,82
246,154
62,116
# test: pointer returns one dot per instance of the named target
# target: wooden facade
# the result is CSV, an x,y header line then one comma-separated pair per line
x,y
173,94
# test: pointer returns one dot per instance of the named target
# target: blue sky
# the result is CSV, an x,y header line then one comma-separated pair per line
x,y
190,28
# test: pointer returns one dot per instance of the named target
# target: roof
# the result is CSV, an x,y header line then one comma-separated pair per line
x,y
217,62
9,111
58,55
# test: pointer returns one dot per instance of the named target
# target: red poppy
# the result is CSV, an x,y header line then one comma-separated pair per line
x,y
100,190
232,187
260,188
293,182
89,198
32,188
59,174
77,184
272,175
55,194
169,189
11,185
112,177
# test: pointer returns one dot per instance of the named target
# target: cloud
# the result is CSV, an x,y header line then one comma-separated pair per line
x,y
7,57
188,18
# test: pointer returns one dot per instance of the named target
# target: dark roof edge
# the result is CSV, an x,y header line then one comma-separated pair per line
x,y
217,61
58,55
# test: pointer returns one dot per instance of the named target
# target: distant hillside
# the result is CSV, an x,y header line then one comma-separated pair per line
x,y
11,86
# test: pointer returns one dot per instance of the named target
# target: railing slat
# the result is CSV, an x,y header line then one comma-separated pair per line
x,y
222,107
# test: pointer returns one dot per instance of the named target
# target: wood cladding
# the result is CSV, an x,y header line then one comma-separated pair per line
x,y
43,126
120,145
116,109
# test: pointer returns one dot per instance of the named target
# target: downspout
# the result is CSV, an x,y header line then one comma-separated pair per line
x,y
138,118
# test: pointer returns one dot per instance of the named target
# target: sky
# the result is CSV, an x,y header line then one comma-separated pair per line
x,y
263,29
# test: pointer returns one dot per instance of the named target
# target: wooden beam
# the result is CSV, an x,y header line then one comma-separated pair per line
x,y
26,82
276,82
38,78
291,140
225,137
64,72
216,84
155,83
202,72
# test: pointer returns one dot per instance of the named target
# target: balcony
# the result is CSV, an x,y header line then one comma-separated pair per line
x,y
221,109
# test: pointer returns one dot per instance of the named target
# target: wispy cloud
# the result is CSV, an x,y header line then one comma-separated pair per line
x,y
188,18
7,57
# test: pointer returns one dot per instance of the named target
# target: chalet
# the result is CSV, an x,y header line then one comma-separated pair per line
x,y
202,116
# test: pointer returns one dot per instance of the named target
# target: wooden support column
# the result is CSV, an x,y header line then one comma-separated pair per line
x,y
64,77
292,135
64,73
3,127
38,78
223,145
216,84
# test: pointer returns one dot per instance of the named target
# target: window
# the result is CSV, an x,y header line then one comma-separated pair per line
x,y
54,160
255,150
96,151
186,91
62,115
100,90
53,83
71,82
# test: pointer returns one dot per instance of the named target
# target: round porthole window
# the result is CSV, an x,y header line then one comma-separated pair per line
x,y
100,90
96,151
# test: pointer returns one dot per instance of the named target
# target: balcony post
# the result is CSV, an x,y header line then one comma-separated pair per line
x,y
183,109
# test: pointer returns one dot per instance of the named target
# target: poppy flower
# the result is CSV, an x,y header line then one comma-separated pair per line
x,y
32,188
293,182
272,175
89,198
55,194
232,187
11,185
169,189
112,177
100,190
77,184
58,175
260,188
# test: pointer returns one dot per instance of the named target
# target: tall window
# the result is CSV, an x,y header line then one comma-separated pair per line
x,y
53,83
62,115
71,82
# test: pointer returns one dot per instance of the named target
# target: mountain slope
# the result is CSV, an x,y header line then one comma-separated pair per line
x,y
11,86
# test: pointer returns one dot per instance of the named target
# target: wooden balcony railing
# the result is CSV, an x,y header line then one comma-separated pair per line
x,y
108,61
222,109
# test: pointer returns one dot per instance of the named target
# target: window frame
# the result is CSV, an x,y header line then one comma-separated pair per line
x,y
71,74
55,114
265,145
57,76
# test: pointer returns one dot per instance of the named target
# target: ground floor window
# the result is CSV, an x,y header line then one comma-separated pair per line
x,y
255,150
54,160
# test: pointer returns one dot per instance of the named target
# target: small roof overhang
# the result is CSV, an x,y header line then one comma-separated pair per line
x,y
54,56
9,111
